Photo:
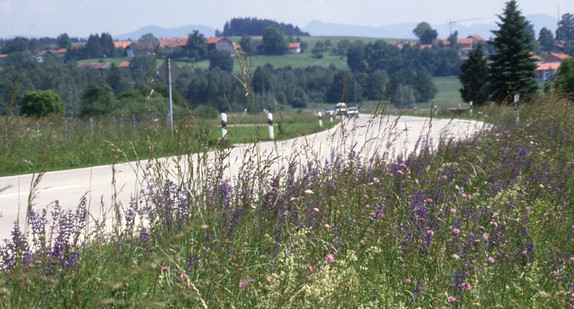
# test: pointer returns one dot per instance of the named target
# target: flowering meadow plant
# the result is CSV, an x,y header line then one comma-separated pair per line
x,y
484,222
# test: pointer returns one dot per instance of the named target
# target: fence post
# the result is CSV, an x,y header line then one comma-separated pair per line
x,y
92,126
66,128
223,125
37,128
470,108
516,99
320,120
134,123
435,110
270,119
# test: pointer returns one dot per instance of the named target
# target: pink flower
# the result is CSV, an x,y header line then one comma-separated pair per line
x,y
429,200
403,165
451,298
453,210
330,258
309,267
527,208
416,181
466,286
464,196
555,273
495,223
165,268
400,172
444,177
430,233
524,252
491,260
407,280
455,230
572,259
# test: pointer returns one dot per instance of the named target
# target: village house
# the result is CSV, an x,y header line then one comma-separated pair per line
x,y
547,69
220,43
294,48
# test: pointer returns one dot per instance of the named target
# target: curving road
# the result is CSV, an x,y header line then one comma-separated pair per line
x,y
108,185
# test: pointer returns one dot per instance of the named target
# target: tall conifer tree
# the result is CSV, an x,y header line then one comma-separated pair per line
x,y
474,77
511,70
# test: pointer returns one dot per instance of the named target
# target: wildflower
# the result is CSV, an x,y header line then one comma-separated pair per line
x,y
245,283
485,237
164,268
308,192
455,230
444,177
366,196
466,286
491,260
375,179
572,259
453,210
464,196
416,181
429,200
527,208
555,273
400,172
330,258
495,223
268,279
451,299
430,233
327,226
309,267
407,280
292,199
316,209
367,206
403,165
524,252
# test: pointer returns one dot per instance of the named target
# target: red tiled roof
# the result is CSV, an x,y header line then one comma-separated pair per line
x,y
560,56
124,64
121,44
548,66
172,42
535,57
2,56
466,41
214,40
476,37
294,45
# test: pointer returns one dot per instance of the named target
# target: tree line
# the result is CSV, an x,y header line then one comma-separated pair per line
x,y
256,27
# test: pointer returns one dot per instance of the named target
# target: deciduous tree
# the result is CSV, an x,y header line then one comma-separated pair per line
x,y
425,33
42,103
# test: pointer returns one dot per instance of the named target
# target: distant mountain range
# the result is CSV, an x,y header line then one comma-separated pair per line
x,y
395,31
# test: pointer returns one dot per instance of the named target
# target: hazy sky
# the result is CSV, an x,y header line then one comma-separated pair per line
x,y
79,18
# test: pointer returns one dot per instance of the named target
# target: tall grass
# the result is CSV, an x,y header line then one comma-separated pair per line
x,y
484,223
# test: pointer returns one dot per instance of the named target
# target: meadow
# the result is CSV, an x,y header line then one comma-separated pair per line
x,y
33,145
480,223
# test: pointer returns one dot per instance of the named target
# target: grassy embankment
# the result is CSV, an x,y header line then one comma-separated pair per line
x,y
482,223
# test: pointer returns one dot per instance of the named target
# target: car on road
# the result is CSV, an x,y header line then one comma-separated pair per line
x,y
329,112
341,109
353,112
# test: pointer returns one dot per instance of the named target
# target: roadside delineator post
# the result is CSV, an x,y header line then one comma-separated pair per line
x,y
470,108
270,120
223,125
320,120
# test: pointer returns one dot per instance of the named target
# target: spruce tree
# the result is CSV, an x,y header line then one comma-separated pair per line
x,y
511,70
474,77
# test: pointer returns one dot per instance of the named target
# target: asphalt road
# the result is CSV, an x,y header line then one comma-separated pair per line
x,y
108,185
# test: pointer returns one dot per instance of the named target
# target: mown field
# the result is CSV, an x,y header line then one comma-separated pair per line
x,y
480,223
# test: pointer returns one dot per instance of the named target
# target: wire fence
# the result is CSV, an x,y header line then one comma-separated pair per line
x,y
21,127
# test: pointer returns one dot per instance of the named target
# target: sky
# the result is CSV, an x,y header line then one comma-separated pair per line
x,y
80,18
